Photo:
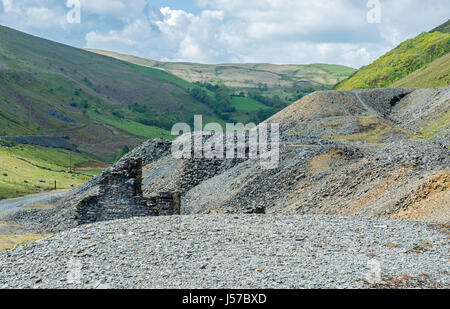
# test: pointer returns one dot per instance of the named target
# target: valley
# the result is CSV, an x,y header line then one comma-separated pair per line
x,y
370,187
286,81
359,197
104,107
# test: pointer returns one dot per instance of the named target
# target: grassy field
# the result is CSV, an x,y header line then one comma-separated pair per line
x,y
400,62
247,104
20,174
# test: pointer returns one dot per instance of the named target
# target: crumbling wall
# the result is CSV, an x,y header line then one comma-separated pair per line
x,y
119,196
167,203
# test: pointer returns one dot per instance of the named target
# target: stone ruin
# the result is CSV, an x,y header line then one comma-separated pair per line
x,y
117,192
167,203
118,195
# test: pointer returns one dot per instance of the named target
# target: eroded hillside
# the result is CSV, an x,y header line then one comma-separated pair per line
x,y
376,153
370,153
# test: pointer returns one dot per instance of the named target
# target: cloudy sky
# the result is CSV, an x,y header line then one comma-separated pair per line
x,y
349,32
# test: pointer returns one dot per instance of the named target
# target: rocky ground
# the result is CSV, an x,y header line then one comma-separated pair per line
x,y
346,153
374,156
235,252
341,153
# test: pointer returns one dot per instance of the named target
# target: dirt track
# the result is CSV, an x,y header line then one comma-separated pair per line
x,y
13,205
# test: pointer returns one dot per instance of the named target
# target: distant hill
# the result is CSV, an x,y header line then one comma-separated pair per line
x,y
106,106
289,82
102,104
407,58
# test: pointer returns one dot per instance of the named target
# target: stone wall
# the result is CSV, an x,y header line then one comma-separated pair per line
x,y
167,203
119,196
44,141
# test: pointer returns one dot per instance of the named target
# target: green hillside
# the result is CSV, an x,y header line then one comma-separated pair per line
x,y
433,75
444,28
402,61
102,104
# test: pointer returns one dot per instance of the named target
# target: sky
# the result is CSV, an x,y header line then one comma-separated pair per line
x,y
347,32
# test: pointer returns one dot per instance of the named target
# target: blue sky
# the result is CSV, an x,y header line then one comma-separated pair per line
x,y
186,5
348,32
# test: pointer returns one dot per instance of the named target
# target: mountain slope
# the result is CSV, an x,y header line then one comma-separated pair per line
x,y
47,88
286,81
400,62
444,28
343,153
374,153
434,75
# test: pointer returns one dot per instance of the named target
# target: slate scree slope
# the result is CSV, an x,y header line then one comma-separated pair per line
x,y
379,153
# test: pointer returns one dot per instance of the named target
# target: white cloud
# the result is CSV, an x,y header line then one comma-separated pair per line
x,y
32,14
174,34
8,7
250,31
117,8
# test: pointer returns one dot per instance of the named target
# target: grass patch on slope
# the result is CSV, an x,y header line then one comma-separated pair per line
x,y
435,126
444,28
373,131
337,70
407,58
49,157
8,242
163,75
20,178
247,104
433,75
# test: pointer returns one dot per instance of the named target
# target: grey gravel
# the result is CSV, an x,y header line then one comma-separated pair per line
x,y
232,251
